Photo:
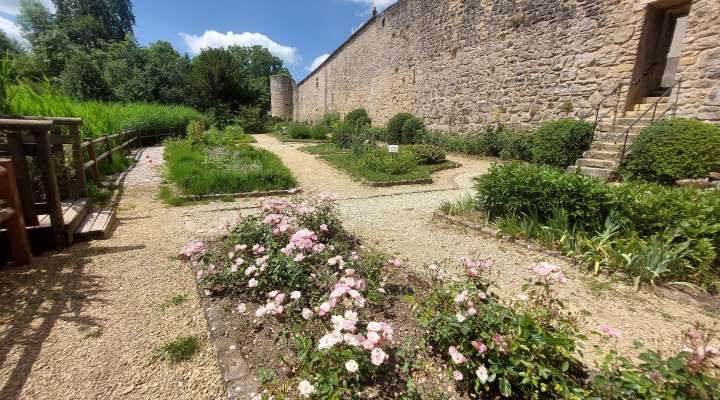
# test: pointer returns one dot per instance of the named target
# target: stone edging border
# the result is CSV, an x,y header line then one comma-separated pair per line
x,y
235,372
496,234
422,181
246,195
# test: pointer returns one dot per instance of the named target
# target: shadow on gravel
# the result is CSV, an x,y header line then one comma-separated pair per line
x,y
32,299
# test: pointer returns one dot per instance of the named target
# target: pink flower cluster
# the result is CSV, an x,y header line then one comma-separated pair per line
x,y
280,223
466,305
192,248
303,241
549,272
608,331
474,268
274,305
346,291
274,206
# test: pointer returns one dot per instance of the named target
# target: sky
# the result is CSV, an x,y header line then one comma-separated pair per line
x,y
301,32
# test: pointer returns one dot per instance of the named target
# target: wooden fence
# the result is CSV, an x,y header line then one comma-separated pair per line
x,y
43,139
11,215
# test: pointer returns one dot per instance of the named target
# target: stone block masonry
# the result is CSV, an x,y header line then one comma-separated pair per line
x,y
461,64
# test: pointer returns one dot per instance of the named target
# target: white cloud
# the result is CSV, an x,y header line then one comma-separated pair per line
x,y
12,30
12,7
317,62
214,39
379,4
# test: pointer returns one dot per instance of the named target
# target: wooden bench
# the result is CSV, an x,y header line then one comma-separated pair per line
x,y
11,215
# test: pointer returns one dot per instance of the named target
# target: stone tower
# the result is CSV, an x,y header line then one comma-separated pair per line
x,y
281,96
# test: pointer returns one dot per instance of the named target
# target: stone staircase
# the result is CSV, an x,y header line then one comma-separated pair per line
x,y
603,157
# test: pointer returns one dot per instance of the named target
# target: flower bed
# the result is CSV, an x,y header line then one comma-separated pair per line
x,y
198,169
318,315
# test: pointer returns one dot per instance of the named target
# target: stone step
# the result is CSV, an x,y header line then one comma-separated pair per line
x,y
606,146
641,108
617,138
627,121
652,100
599,172
603,154
597,163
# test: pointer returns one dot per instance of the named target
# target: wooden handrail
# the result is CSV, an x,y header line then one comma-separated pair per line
x,y
22,124
62,121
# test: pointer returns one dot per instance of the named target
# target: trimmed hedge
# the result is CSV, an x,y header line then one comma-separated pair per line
x,y
404,128
674,149
560,143
427,153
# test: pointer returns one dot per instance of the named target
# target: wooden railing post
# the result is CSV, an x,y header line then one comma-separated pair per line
x,y
22,176
52,192
94,171
17,232
108,144
79,160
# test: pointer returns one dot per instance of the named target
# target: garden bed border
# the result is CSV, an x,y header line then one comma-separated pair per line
x,y
420,181
235,372
243,195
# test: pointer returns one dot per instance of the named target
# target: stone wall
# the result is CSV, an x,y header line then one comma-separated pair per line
x,y
282,96
460,64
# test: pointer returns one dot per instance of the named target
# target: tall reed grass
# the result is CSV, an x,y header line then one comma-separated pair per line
x,y
99,118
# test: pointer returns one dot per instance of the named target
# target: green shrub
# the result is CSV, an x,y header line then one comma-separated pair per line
x,y
251,119
358,118
331,120
674,149
319,132
654,222
560,143
395,128
508,143
195,129
299,131
380,160
428,154
470,143
412,130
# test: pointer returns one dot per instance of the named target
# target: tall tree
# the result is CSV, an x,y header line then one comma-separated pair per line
x,y
50,44
87,22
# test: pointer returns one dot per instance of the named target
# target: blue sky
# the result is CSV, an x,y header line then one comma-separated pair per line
x,y
300,32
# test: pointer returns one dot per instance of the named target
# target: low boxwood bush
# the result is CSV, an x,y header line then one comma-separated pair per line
x,y
427,153
674,149
358,118
560,143
471,143
319,132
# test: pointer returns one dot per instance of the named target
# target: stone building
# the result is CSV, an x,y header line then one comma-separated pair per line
x,y
461,64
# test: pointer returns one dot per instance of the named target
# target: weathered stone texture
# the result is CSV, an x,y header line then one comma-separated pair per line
x,y
281,96
460,64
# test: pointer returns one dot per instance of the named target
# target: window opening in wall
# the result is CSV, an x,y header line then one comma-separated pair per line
x,y
383,22
317,82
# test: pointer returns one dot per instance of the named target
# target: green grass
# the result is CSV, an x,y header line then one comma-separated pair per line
x,y
202,170
180,349
99,196
324,149
168,196
175,300
351,165
100,118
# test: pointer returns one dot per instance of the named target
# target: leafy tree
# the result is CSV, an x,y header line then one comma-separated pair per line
x,y
82,78
50,44
88,22
9,47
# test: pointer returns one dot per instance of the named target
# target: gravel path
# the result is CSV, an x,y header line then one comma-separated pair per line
x,y
83,324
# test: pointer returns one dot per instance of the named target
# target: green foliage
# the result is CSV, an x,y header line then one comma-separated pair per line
x,y
319,132
358,117
395,128
200,170
412,130
674,149
98,195
100,118
427,154
117,163
251,118
507,143
82,79
181,349
682,376
650,232
331,120
382,161
560,143
470,143
298,131
508,351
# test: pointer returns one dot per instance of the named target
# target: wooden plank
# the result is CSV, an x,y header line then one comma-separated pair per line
x,y
25,124
63,121
94,171
102,156
3,171
97,225
6,213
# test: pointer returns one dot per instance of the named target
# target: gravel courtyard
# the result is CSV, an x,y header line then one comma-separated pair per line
x,y
82,324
